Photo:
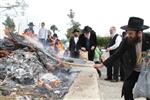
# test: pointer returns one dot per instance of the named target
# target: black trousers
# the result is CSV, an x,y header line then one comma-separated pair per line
x,y
129,85
112,71
91,55
122,72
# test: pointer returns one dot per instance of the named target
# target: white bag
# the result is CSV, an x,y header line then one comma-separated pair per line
x,y
142,87
83,54
104,55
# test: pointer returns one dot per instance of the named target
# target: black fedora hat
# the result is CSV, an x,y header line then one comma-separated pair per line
x,y
86,29
136,24
31,24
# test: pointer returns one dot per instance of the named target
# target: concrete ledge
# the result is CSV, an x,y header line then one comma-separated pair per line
x,y
85,86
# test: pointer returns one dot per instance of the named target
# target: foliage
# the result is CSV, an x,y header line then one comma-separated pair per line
x,y
10,23
74,24
64,41
102,41
19,7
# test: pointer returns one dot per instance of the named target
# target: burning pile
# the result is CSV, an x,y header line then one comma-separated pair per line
x,y
28,72
24,75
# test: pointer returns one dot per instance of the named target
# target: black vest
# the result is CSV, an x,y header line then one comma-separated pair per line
x,y
111,43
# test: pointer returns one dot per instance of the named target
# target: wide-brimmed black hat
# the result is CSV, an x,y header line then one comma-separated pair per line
x,y
136,24
86,29
31,24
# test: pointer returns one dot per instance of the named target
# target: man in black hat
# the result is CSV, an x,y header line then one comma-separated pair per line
x,y
131,49
29,31
88,42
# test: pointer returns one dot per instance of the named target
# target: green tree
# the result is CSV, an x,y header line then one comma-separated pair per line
x,y
10,23
74,24
54,28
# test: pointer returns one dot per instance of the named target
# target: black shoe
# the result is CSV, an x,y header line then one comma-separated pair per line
x,y
107,79
114,80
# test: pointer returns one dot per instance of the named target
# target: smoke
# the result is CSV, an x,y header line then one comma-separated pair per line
x,y
34,42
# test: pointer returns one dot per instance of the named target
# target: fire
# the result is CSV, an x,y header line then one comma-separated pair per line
x,y
4,53
53,83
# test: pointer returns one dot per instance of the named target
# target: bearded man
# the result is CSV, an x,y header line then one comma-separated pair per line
x,y
131,50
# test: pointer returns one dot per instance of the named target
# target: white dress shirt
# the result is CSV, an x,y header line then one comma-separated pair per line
x,y
117,43
43,33
76,39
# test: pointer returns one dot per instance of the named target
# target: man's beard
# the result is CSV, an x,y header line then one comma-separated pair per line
x,y
112,34
135,40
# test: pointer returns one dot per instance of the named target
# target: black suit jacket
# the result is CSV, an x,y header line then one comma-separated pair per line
x,y
128,52
73,46
93,42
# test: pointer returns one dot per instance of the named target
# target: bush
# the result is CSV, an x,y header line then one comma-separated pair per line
x,y
102,41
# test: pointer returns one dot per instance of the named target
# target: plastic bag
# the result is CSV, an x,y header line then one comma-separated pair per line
x,y
104,55
83,54
142,88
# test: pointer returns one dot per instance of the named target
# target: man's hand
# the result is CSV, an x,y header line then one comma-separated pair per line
x,y
92,48
82,48
98,65
108,49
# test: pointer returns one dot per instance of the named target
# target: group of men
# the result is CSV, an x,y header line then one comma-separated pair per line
x,y
87,42
130,50
83,42
124,52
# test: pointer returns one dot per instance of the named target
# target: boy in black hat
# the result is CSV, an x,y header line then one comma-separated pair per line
x,y
73,44
131,50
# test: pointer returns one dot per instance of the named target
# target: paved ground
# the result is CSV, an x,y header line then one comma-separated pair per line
x,y
83,86
110,90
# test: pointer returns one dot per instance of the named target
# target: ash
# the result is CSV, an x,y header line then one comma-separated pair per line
x,y
32,76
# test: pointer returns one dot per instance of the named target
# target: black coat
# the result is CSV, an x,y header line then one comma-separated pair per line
x,y
93,42
73,48
128,52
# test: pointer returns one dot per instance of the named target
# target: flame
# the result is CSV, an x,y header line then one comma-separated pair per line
x,y
40,82
55,82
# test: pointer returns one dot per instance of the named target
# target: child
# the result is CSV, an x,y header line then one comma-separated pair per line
x,y
97,58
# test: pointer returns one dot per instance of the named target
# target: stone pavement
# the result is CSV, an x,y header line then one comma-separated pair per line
x,y
85,86
110,90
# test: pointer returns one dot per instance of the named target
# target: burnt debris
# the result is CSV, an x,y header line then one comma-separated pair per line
x,y
29,72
